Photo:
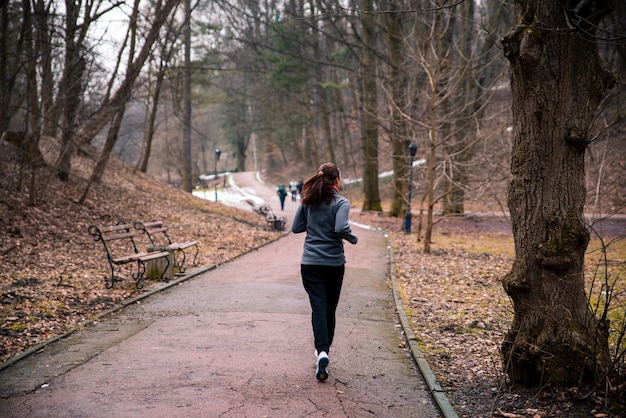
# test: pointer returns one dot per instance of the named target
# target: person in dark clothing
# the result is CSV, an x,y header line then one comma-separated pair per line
x,y
324,215
282,194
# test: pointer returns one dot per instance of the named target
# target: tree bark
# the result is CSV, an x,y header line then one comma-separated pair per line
x,y
188,171
369,134
70,90
44,49
11,44
34,112
429,196
557,85
320,91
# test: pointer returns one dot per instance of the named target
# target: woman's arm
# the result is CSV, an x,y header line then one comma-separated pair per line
x,y
342,224
299,221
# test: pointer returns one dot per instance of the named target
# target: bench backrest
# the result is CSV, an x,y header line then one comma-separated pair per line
x,y
152,229
122,233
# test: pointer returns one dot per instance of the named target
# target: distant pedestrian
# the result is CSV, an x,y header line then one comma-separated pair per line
x,y
299,187
324,215
282,194
293,189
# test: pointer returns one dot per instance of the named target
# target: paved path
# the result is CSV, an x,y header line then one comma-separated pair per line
x,y
234,341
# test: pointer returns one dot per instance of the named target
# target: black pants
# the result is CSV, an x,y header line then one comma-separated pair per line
x,y
323,285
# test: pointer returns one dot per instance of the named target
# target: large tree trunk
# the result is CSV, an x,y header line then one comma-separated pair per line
x,y
320,91
557,84
369,134
44,49
188,169
72,87
34,112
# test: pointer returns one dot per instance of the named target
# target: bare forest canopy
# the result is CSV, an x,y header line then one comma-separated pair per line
x,y
285,86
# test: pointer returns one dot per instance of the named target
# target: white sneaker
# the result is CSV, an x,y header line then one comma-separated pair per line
x,y
322,364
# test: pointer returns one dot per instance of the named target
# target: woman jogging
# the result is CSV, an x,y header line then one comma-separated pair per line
x,y
324,215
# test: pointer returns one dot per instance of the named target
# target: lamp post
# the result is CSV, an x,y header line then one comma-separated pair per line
x,y
225,169
218,152
407,218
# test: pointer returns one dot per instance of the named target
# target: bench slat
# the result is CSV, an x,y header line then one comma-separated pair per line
x,y
152,224
154,255
125,259
114,228
155,230
119,236
182,245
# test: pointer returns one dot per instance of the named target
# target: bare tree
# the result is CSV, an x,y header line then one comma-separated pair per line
x,y
454,75
475,65
369,104
90,128
187,171
397,24
72,83
154,90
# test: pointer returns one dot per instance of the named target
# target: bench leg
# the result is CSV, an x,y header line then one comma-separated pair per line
x,y
180,266
195,256
109,281
138,277
179,254
165,270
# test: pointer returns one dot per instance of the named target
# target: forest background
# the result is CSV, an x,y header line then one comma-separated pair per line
x,y
185,90
281,86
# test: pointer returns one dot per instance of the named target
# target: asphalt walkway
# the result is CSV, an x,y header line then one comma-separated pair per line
x,y
233,341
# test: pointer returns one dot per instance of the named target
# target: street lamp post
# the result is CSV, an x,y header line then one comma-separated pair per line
x,y
407,218
225,168
218,152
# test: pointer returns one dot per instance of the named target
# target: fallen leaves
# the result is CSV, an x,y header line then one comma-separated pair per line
x,y
52,272
459,312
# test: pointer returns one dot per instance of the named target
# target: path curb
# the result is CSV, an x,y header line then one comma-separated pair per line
x,y
125,303
431,381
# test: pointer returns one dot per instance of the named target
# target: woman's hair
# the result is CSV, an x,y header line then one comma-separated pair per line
x,y
317,188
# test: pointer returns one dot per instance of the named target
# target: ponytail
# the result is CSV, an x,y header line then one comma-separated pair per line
x,y
317,188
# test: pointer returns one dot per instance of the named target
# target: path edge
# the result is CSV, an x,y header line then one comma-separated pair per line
x,y
431,380
95,318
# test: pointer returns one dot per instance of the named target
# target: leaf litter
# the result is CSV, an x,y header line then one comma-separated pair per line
x,y
460,313
51,277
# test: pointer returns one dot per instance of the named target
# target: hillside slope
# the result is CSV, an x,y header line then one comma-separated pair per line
x,y
51,270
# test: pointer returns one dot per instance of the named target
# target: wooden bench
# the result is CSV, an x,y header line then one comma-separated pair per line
x,y
121,251
272,222
158,236
275,222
